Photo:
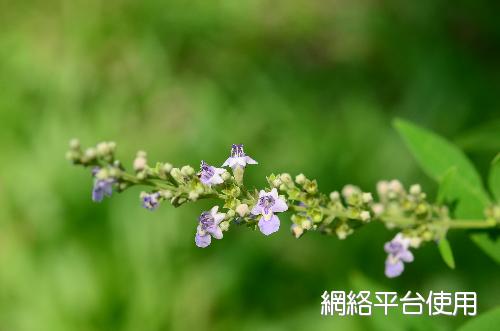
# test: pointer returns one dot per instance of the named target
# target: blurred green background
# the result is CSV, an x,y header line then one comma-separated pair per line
x,y
307,85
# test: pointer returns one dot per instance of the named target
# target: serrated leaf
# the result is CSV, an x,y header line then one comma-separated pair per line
x,y
446,252
436,156
494,178
485,321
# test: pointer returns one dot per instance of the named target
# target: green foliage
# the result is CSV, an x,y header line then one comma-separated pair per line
x,y
444,162
446,252
484,322
306,85
494,178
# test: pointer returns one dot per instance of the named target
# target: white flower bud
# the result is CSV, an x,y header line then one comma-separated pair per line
x,y
335,196
367,197
230,213
193,195
224,226
103,149
187,170
90,153
378,209
396,186
365,215
286,178
306,224
225,176
140,163
74,144
276,182
415,189
415,242
349,190
242,209
300,179
102,174
167,167
166,194
297,231
382,188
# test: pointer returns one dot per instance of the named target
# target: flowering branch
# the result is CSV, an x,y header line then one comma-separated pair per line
x,y
339,214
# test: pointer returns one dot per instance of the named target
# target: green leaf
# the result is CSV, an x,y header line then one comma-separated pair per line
x,y
437,156
446,252
446,185
494,178
485,321
483,138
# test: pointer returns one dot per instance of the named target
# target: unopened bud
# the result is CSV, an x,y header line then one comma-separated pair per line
x,y
367,197
242,209
74,144
167,167
415,189
335,196
187,171
365,215
300,179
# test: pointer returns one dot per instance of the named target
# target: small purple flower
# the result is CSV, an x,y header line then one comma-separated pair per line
x,y
210,175
151,201
238,158
208,227
398,252
102,188
268,204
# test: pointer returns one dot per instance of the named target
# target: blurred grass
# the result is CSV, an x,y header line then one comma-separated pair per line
x,y
307,86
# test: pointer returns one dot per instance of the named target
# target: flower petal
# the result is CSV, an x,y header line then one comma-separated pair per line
x,y
216,179
268,227
256,210
249,160
219,217
97,195
216,233
214,210
393,269
202,241
406,256
279,205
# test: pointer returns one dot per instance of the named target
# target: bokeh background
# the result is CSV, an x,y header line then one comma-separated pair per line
x,y
307,85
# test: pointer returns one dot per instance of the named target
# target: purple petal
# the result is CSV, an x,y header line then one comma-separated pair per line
x,y
270,226
202,241
279,206
393,268
97,194
256,210
216,232
406,256
249,160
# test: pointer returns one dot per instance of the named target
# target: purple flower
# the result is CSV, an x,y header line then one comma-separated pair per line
x,y
210,175
398,252
268,204
238,158
208,227
151,201
102,188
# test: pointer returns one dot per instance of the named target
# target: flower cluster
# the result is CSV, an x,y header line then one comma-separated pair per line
x,y
339,213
